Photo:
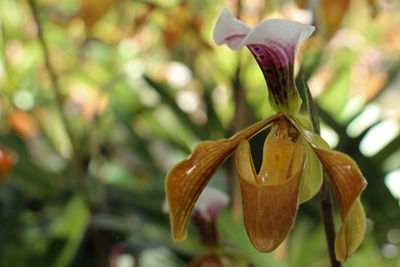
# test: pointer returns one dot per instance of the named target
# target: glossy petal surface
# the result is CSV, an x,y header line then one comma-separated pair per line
x,y
270,199
188,178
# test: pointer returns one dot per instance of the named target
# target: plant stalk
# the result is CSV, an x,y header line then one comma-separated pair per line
x,y
326,201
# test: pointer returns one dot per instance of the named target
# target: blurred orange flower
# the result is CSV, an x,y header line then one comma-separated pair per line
x,y
7,161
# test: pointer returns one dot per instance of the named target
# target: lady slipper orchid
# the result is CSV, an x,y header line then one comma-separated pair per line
x,y
291,171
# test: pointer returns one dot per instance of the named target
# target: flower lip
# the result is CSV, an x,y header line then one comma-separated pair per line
x,y
268,216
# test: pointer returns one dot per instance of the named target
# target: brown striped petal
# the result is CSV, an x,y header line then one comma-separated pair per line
x,y
188,178
348,183
270,199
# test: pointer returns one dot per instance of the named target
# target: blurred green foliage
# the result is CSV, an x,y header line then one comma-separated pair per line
x,y
140,84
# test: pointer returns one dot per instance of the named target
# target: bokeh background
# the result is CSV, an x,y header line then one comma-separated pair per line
x,y
95,113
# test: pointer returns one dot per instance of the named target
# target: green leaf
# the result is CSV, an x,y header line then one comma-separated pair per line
x,y
306,243
71,227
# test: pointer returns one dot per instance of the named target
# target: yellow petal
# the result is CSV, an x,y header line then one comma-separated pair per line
x,y
351,233
311,179
348,183
270,205
188,178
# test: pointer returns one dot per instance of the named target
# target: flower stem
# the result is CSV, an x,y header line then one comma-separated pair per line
x,y
326,202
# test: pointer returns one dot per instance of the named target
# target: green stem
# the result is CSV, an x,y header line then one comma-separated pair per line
x,y
101,255
326,202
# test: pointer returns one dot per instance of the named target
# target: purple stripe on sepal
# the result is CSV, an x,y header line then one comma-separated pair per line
x,y
276,62
231,37
272,54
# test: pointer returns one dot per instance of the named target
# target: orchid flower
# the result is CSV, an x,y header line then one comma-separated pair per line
x,y
293,155
205,212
